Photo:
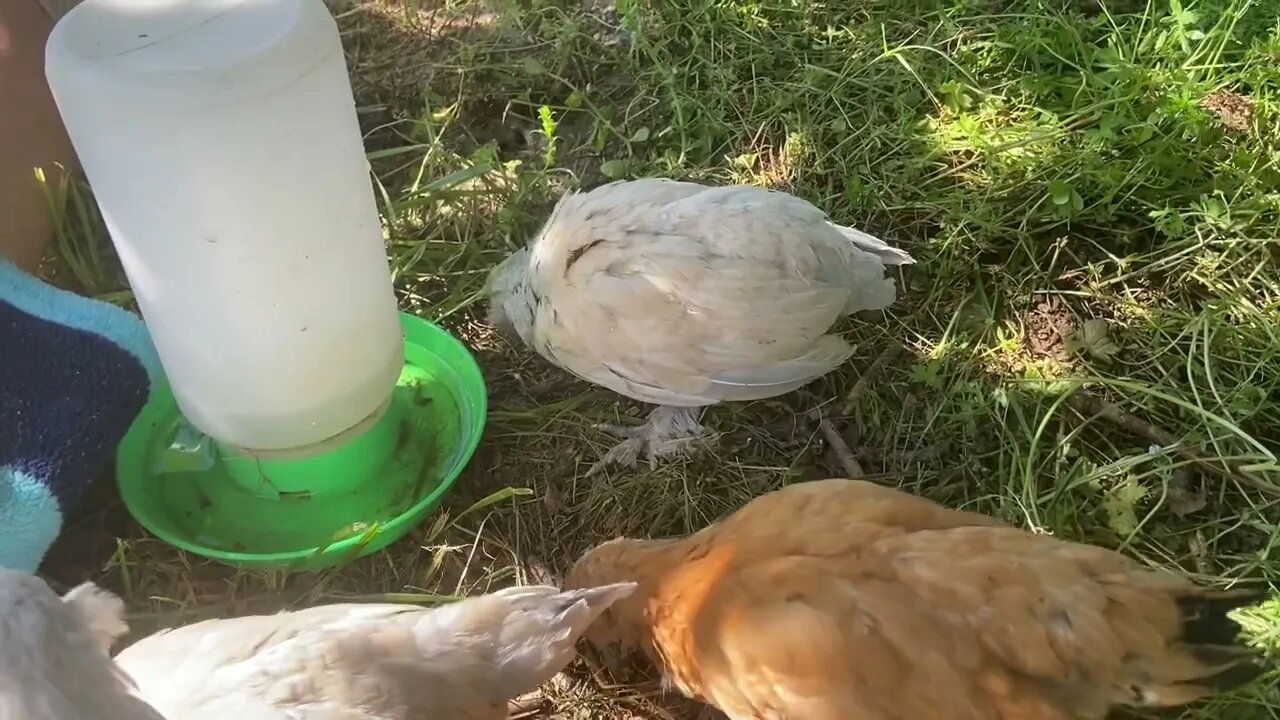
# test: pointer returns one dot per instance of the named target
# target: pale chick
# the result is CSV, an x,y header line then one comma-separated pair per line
x,y
333,662
684,295
843,600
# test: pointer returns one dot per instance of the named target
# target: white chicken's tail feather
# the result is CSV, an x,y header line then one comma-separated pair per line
x,y
874,295
888,254
829,353
552,604
101,611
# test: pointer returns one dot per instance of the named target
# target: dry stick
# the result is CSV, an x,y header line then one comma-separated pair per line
x,y
1088,404
551,386
852,468
528,704
859,387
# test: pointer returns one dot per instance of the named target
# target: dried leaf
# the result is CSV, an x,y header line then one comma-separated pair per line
x,y
614,169
1121,504
1094,338
1183,499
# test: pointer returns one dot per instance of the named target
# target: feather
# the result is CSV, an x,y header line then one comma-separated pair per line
x,y
827,354
100,611
888,255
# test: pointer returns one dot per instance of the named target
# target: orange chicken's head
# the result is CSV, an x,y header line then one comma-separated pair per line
x,y
626,623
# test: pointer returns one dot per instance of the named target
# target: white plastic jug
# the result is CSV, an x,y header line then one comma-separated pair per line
x,y
221,141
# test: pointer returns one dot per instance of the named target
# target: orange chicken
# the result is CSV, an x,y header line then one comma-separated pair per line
x,y
843,600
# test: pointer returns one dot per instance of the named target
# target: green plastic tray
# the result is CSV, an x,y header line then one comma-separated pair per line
x,y
319,511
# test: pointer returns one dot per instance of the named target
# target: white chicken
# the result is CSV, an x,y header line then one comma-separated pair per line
x,y
462,661
683,295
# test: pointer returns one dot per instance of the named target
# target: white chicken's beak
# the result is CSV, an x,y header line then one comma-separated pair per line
x,y
497,287
500,322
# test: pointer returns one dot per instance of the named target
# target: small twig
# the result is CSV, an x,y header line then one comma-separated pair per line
x,y
864,380
538,572
527,704
1088,404
602,663
550,386
852,468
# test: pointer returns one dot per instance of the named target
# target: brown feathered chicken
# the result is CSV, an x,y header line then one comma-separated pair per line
x,y
462,661
683,295
843,600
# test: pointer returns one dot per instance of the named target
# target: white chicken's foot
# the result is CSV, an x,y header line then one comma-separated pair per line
x,y
667,431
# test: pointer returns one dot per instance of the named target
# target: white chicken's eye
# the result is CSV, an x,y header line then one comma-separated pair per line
x,y
576,254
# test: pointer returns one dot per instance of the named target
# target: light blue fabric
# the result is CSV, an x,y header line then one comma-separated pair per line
x,y
30,519
35,297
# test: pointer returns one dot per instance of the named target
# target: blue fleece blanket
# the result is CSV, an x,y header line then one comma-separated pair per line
x,y
74,373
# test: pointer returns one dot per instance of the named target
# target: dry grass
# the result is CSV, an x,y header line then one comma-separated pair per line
x,y
910,121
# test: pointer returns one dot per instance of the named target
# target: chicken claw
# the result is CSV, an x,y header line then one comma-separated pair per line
x,y
668,431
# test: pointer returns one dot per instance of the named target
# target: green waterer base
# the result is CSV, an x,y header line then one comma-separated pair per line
x,y
317,511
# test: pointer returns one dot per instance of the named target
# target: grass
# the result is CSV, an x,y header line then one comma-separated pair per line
x,y
1092,190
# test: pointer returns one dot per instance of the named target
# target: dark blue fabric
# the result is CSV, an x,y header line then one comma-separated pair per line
x,y
68,397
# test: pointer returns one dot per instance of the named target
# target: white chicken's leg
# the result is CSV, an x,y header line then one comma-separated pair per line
x,y
667,431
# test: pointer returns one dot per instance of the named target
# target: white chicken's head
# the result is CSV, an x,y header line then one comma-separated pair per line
x,y
511,301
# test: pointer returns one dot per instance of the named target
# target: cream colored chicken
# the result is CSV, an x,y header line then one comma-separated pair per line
x,y
842,600
683,295
332,662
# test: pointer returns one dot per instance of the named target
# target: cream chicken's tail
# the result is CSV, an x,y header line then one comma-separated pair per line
x,y
1206,658
55,664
